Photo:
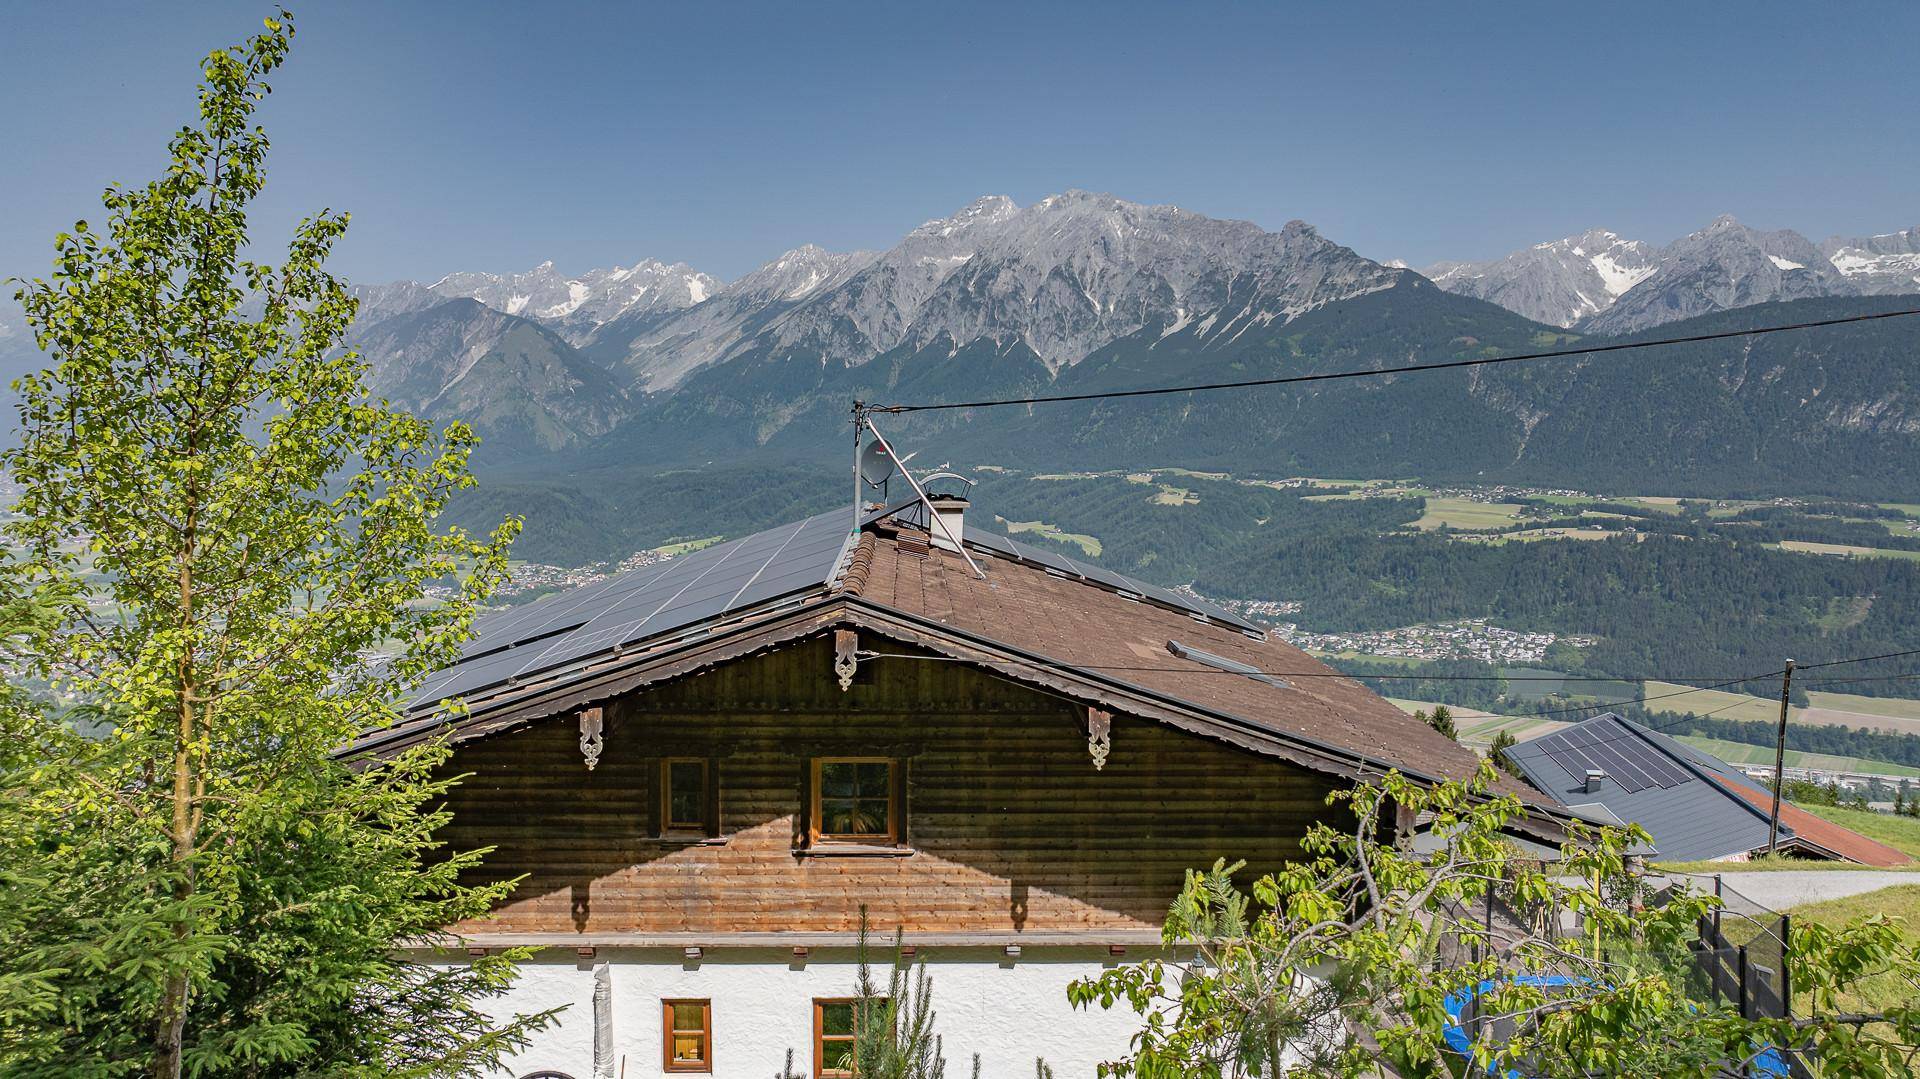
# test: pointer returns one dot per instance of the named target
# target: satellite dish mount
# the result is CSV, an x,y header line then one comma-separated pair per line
x,y
876,463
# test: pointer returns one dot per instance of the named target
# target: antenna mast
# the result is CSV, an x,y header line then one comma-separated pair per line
x,y
862,419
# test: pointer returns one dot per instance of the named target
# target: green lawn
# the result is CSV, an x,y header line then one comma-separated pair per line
x,y
1901,902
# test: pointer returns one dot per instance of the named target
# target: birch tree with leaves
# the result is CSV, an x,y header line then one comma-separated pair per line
x,y
206,889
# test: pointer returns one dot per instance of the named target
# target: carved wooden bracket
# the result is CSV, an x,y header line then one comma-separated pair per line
x,y
845,663
1099,736
591,741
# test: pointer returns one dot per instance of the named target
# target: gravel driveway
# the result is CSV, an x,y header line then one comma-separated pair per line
x,y
1783,888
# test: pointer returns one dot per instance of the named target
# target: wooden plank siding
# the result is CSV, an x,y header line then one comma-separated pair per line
x,y
1009,826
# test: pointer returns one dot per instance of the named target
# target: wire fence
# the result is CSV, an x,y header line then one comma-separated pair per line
x,y
1737,959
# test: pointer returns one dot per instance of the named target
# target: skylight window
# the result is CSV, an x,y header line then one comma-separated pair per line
x,y
1223,663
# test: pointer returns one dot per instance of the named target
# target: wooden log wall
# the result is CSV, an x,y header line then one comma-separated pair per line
x,y
1009,826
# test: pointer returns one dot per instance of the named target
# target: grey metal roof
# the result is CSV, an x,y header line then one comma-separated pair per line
x,y
1653,781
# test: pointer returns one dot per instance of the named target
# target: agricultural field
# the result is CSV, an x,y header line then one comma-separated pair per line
x,y
1828,709
1536,535
1844,550
1467,515
672,550
1742,753
1853,704
1088,544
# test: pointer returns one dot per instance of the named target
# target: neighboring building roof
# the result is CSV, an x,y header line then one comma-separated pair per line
x,y
1817,835
1696,806
1078,630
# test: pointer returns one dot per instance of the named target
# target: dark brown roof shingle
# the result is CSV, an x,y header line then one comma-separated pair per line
x,y
1086,627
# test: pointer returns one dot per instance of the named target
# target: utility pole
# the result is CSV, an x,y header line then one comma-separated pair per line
x,y
1779,760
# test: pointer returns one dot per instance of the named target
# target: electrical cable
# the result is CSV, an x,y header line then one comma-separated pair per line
x,y
1404,369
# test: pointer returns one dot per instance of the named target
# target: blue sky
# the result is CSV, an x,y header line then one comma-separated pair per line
x,y
491,136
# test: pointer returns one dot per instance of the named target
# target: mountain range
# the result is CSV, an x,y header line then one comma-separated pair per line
x,y
1600,283
659,366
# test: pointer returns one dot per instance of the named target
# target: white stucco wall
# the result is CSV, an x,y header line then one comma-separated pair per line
x,y
1007,1010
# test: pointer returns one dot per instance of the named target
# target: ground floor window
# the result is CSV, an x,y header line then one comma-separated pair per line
x,y
833,1021
688,1035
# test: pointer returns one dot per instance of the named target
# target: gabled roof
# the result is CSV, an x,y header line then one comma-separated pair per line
x,y
1077,630
1696,806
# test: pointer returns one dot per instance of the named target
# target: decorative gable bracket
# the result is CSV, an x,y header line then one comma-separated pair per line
x,y
1099,736
846,661
591,741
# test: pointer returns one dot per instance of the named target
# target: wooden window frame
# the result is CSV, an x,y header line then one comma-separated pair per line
x,y
896,833
668,1031
820,1005
709,824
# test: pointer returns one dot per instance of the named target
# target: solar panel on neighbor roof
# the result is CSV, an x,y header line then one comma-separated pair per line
x,y
645,603
1613,749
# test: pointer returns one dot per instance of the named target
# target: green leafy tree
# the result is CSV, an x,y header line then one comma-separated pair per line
x,y
1442,720
207,889
1341,964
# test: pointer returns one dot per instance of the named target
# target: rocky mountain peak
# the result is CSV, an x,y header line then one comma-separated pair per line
x,y
1558,282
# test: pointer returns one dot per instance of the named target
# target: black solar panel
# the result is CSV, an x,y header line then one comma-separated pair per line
x,y
656,601
1087,571
645,603
1611,748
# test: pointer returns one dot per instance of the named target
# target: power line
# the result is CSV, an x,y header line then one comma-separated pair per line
x,y
1400,370
1859,659
1654,697
1334,673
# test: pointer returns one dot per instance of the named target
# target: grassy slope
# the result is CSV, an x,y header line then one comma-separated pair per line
x,y
1900,833
1901,902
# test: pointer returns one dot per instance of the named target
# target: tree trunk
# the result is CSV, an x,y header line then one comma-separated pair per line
x,y
170,1023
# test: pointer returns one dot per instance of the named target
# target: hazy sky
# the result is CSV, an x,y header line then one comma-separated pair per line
x,y
491,136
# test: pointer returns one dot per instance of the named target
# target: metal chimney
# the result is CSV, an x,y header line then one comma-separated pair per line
x,y
1596,780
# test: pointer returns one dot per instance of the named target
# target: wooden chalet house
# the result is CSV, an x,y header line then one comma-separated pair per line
x,y
706,767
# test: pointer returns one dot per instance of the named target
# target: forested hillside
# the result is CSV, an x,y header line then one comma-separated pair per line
x,y
1829,411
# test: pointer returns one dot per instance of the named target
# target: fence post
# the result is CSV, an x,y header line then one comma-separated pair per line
x,y
1717,894
1786,966
1741,959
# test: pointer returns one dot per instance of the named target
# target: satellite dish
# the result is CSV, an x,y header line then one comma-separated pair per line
x,y
876,464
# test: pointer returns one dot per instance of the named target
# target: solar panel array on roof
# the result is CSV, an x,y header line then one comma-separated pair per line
x,y
644,603
1118,582
1622,755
